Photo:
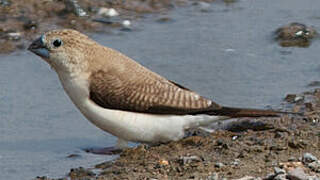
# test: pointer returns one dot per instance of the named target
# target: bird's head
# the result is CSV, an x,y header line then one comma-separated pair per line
x,y
64,50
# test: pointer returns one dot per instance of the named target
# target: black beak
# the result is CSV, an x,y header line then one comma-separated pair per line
x,y
39,48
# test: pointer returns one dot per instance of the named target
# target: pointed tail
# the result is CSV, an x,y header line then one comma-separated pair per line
x,y
244,112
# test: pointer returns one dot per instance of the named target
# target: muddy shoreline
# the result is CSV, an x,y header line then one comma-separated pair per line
x,y
263,148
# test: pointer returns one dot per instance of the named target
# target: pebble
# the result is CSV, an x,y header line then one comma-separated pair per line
x,y
30,25
164,19
5,3
297,174
14,35
315,166
73,6
204,7
314,84
214,176
247,178
280,177
218,165
278,171
308,158
186,160
292,158
236,162
108,12
126,25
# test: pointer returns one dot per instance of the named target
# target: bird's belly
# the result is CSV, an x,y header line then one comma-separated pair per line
x,y
137,127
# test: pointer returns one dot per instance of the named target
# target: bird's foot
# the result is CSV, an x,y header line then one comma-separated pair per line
x,y
104,151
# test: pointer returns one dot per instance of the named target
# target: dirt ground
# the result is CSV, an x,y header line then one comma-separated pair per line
x,y
263,148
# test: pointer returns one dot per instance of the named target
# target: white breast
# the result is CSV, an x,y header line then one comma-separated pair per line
x,y
130,126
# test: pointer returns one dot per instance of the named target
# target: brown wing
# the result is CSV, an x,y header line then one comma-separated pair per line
x,y
147,94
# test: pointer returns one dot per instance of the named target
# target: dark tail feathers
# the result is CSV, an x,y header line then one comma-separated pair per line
x,y
243,112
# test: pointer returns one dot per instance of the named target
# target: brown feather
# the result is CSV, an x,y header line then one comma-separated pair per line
x,y
118,82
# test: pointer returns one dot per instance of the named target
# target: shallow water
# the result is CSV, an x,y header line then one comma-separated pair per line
x,y
226,54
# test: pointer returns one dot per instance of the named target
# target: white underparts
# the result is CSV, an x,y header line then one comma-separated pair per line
x,y
131,126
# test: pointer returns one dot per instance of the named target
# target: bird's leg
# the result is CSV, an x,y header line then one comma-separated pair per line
x,y
112,150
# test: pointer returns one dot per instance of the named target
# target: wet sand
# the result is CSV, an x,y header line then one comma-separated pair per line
x,y
257,148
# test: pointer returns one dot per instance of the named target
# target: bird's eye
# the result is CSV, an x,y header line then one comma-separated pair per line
x,y
57,43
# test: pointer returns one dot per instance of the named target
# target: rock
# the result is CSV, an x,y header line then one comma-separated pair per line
x,y
297,174
5,3
80,173
247,178
315,166
164,162
293,98
218,165
314,84
214,176
73,156
164,19
186,160
30,25
270,176
14,36
74,7
280,177
126,25
234,138
108,12
295,34
292,158
236,162
204,7
278,171
308,158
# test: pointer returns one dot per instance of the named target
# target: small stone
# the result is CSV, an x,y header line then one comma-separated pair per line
x,y
292,158
186,160
278,170
314,84
204,7
126,25
297,174
290,98
269,176
234,138
14,36
295,34
164,162
164,19
236,162
298,98
280,177
73,156
308,158
108,12
74,7
247,178
30,25
218,165
5,3
315,166
214,176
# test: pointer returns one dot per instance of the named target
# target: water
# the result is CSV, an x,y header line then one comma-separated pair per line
x,y
226,54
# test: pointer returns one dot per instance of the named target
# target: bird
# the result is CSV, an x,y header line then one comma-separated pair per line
x,y
124,98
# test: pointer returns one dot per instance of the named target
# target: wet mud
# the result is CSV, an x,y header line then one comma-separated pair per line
x,y
263,148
